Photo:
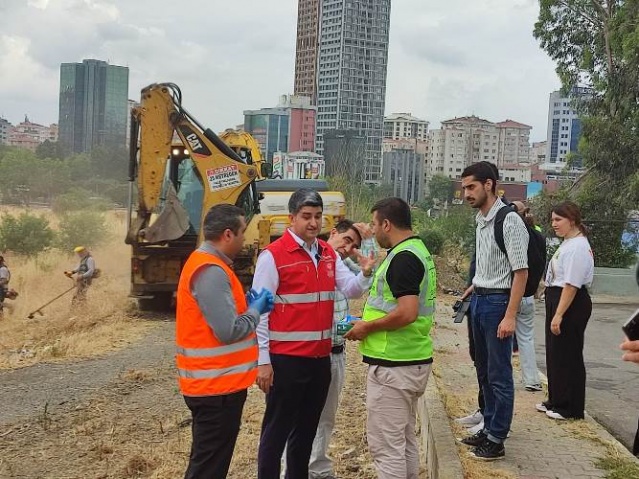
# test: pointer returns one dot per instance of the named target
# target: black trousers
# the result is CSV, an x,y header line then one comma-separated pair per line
x,y
293,409
564,355
471,351
216,424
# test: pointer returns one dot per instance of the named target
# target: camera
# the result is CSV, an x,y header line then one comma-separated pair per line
x,y
461,309
631,327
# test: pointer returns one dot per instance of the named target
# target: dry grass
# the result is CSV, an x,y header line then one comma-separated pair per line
x,y
61,332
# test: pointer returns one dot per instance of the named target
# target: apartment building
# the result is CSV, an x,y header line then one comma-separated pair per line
x,y
405,125
514,143
30,135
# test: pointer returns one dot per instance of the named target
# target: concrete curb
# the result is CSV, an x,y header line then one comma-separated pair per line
x,y
438,441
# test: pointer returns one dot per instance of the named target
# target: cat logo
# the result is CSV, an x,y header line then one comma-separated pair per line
x,y
194,141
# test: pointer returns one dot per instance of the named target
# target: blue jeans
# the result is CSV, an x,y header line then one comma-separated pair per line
x,y
493,363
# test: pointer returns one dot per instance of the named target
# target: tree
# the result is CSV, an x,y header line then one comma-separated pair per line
x,y
441,188
87,228
26,234
596,44
49,149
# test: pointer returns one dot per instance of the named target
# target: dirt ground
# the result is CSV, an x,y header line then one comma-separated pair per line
x,y
121,416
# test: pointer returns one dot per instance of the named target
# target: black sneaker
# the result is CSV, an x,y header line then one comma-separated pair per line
x,y
488,451
474,440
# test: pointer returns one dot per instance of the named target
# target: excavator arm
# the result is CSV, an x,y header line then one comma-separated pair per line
x,y
247,148
224,175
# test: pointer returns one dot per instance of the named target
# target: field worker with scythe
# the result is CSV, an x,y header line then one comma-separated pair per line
x,y
84,274
216,342
295,339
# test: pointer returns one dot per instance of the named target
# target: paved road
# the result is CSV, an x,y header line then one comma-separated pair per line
x,y
612,389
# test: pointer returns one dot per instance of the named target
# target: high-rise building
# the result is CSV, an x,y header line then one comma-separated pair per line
x,y
93,105
306,49
564,129
405,125
404,171
352,60
288,127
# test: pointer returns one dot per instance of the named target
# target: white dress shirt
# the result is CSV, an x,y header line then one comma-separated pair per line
x,y
266,276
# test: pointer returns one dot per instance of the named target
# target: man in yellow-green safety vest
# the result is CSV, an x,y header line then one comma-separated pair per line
x,y
395,340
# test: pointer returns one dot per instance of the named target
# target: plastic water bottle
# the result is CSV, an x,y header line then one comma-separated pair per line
x,y
345,325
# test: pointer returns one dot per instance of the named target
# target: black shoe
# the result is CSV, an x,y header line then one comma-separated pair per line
x,y
488,451
474,440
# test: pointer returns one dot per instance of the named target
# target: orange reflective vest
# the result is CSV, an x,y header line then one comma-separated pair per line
x,y
206,366
301,322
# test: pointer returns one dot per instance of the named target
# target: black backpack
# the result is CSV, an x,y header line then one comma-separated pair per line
x,y
536,250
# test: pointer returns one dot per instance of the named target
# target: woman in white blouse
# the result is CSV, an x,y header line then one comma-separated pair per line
x,y
568,309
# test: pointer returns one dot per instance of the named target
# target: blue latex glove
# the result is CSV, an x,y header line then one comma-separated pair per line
x,y
263,301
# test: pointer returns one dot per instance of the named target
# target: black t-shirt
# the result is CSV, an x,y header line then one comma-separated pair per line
x,y
404,276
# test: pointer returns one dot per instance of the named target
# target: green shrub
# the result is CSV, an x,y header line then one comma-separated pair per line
x,y
26,234
433,239
86,228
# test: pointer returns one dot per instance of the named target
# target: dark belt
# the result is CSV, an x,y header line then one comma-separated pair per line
x,y
488,291
337,349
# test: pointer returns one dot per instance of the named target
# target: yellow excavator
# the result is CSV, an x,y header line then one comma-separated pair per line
x,y
178,180
178,170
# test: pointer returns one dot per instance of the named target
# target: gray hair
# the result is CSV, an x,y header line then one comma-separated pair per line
x,y
221,218
304,197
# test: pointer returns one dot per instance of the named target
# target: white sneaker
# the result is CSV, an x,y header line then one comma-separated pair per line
x,y
541,407
555,415
475,429
471,420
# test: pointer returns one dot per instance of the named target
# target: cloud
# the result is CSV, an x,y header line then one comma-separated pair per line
x,y
446,59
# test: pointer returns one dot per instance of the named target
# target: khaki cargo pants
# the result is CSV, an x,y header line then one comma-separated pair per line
x,y
391,404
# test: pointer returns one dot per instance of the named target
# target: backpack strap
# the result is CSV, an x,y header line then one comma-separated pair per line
x,y
499,227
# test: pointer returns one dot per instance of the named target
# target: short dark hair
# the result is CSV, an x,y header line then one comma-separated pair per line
x,y
394,210
221,218
483,171
304,197
344,225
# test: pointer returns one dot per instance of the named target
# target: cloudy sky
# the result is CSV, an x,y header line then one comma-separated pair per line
x,y
446,58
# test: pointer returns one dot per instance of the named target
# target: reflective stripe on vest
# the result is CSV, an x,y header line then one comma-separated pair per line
x,y
300,335
305,297
217,351
216,373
